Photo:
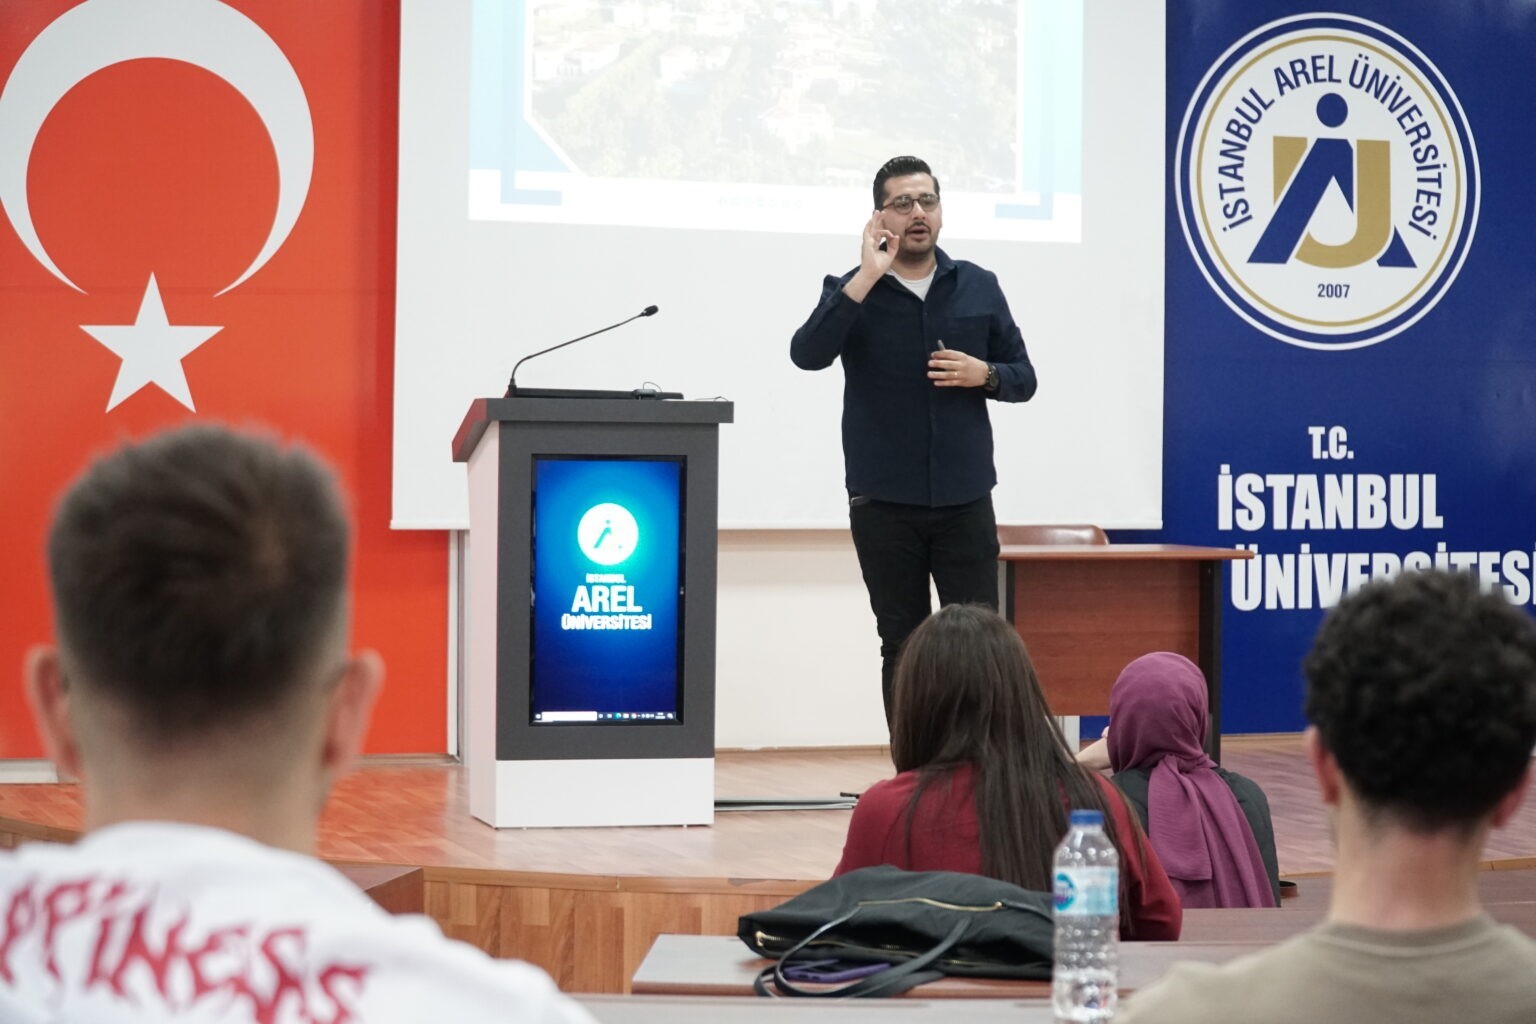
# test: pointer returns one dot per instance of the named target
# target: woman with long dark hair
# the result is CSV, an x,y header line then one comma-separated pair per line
x,y
985,777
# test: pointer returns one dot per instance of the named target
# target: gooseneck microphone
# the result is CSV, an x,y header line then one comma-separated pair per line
x,y
512,383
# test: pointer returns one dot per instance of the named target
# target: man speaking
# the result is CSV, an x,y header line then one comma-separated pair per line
x,y
925,341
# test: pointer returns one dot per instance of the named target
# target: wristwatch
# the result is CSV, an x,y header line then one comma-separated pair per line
x,y
991,383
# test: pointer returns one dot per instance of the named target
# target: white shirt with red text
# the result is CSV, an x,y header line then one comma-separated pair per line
x,y
152,921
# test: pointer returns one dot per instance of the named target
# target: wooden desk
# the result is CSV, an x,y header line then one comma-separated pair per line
x,y
1248,924
1086,610
1261,927
1508,895
1495,885
718,965
704,1010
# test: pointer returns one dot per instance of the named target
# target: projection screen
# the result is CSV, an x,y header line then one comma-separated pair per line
x,y
565,164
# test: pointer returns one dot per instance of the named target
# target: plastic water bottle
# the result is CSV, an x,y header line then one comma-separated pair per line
x,y
1087,892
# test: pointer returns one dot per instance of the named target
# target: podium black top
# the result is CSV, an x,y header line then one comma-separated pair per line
x,y
485,411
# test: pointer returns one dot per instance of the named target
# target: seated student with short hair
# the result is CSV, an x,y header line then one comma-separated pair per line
x,y
203,693
1421,693
985,777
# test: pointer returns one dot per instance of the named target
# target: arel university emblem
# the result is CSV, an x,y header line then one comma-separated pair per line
x,y
1327,181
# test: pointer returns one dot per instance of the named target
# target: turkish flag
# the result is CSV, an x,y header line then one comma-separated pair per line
x,y
171,251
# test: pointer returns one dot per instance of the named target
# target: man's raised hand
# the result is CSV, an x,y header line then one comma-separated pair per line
x,y
871,256
873,261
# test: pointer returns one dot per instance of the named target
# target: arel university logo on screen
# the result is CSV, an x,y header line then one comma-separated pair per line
x,y
1327,181
608,535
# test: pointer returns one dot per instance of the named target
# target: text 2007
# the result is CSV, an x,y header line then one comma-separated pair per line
x,y
1333,291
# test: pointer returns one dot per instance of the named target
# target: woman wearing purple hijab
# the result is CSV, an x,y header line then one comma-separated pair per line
x,y
1210,828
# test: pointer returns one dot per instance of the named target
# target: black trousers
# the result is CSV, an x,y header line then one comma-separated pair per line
x,y
901,546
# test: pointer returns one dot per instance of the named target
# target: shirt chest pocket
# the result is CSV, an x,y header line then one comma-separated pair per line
x,y
968,334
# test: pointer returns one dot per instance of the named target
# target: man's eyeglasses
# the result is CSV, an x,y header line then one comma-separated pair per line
x,y
929,201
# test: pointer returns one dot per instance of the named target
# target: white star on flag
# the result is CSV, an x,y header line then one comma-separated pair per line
x,y
151,350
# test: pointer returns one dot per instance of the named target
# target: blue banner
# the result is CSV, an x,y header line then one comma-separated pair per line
x,y
1351,367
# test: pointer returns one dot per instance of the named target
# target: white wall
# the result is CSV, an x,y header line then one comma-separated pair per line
x,y
798,660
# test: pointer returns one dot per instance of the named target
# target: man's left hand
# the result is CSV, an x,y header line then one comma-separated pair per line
x,y
950,369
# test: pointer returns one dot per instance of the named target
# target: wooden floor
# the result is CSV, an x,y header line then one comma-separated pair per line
x,y
418,815
586,903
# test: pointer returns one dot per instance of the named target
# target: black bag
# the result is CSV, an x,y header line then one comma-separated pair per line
x,y
926,924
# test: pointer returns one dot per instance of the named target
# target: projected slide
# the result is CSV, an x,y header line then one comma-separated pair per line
x,y
761,115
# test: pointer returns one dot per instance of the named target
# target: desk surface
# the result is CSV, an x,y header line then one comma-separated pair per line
x,y
717,965
1118,552
1262,927
1496,885
1508,895
697,1010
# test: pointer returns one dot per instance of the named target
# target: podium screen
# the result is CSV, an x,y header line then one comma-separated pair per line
x,y
607,598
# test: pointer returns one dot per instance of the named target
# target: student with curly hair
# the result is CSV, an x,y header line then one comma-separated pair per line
x,y
1421,693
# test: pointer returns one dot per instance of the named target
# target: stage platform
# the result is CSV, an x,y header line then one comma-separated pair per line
x,y
585,904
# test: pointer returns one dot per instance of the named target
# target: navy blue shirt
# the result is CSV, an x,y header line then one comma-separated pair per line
x,y
904,439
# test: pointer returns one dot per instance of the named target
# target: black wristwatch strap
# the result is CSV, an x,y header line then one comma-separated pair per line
x,y
992,382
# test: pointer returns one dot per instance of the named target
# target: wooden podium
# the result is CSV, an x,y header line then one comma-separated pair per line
x,y
1087,610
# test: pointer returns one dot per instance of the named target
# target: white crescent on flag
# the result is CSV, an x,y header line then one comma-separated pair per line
x,y
210,35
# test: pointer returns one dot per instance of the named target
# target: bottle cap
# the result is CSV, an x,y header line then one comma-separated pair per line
x,y
1088,818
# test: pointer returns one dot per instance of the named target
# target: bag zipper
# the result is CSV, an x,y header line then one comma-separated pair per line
x,y
934,903
764,939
